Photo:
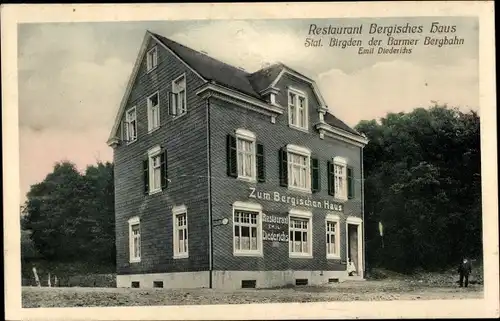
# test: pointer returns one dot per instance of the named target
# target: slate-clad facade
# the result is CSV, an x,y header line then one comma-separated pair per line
x,y
230,179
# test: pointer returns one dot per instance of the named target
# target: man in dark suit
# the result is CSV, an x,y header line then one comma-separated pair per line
x,y
464,269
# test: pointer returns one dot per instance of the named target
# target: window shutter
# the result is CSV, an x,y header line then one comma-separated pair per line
x,y
125,131
283,161
145,167
350,182
261,169
331,179
163,166
232,170
315,179
171,110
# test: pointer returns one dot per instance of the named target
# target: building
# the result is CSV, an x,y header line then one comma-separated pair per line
x,y
230,179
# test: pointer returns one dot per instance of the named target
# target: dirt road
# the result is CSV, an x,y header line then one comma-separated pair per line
x,y
348,291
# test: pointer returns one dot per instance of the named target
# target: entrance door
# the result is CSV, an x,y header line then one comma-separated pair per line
x,y
353,248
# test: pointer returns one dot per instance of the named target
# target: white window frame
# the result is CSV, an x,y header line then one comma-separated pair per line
x,y
176,89
152,58
248,136
132,222
152,153
249,207
128,120
300,214
301,151
332,218
294,123
177,211
342,162
151,125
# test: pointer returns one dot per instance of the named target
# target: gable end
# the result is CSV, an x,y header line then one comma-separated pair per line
x,y
114,137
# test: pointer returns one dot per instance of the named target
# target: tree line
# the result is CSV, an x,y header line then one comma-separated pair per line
x,y
71,214
422,183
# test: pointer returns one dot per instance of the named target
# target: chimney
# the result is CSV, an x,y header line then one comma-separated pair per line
x,y
265,65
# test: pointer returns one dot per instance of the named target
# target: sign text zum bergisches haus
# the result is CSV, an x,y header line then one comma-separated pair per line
x,y
295,200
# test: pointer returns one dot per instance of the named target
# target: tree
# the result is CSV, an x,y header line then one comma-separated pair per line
x,y
70,215
422,180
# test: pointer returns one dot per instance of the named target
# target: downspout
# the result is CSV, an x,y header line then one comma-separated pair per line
x,y
363,211
209,179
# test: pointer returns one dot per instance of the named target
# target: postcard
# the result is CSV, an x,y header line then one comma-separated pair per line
x,y
250,161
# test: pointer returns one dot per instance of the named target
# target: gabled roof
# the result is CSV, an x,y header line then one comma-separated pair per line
x,y
213,70
330,119
263,78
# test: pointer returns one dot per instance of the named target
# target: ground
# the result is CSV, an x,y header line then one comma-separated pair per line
x,y
371,290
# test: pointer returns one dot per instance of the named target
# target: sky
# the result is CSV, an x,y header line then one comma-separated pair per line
x,y
72,76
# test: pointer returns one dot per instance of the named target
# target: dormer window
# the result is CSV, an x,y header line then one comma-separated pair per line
x,y
152,58
297,109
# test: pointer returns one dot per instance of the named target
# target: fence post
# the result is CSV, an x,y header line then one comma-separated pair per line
x,y
37,280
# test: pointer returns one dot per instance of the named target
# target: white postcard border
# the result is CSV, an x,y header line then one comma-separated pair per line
x,y
14,14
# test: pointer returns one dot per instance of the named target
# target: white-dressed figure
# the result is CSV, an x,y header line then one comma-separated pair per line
x,y
351,268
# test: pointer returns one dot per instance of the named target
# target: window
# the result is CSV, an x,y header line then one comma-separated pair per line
x,y
154,111
152,58
130,125
155,170
178,100
245,149
134,240
299,168
248,284
245,157
180,232
247,231
297,109
340,179
300,230
332,236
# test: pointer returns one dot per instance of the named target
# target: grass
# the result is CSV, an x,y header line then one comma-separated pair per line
x,y
33,297
381,285
69,273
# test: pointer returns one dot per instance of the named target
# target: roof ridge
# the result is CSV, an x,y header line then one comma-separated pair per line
x,y
271,65
200,52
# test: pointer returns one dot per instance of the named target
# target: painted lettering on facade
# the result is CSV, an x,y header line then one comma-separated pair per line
x,y
275,228
294,200
274,237
274,219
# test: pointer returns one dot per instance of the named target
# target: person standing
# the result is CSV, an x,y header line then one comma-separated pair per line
x,y
464,269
